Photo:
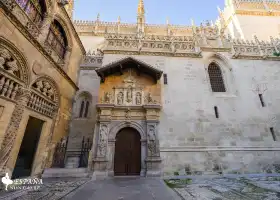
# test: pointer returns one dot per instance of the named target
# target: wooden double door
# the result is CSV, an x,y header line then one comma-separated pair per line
x,y
127,159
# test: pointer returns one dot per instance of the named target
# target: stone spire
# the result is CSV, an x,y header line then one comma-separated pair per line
x,y
141,9
141,16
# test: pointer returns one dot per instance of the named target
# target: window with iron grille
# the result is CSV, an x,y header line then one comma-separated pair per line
x,y
216,78
57,39
35,9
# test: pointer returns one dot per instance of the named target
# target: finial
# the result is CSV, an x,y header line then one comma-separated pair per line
x,y
192,22
98,17
141,9
167,21
219,9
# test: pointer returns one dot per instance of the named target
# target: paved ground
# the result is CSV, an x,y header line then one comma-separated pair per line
x,y
125,189
256,187
231,188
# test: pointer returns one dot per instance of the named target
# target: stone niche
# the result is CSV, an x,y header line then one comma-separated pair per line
x,y
129,96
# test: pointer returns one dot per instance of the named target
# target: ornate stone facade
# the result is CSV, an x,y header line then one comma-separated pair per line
x,y
32,78
184,124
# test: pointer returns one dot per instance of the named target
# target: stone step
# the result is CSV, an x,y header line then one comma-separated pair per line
x,y
65,173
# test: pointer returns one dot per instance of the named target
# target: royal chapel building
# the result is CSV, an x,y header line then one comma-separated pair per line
x,y
101,99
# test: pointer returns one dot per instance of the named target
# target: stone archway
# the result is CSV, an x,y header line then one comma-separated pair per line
x,y
127,156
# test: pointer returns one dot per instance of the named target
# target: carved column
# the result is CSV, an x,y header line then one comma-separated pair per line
x,y
101,158
11,132
153,160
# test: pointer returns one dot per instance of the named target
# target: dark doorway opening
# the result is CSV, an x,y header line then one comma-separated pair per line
x,y
127,161
28,148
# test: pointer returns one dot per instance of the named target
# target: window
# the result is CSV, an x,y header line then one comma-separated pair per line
x,y
86,110
82,109
56,39
216,112
261,99
272,133
165,79
216,78
35,9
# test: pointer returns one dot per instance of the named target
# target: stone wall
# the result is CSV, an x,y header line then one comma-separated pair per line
x,y
188,118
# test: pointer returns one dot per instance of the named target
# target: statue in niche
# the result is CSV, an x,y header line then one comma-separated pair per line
x,y
138,98
107,97
103,134
129,95
150,99
152,143
120,98
151,134
102,141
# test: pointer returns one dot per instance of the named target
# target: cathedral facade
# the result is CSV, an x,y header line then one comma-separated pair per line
x,y
40,54
160,99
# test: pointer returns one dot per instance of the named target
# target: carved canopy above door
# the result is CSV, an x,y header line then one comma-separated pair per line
x,y
129,83
121,65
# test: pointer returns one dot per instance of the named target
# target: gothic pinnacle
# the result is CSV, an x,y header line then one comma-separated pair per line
x,y
141,9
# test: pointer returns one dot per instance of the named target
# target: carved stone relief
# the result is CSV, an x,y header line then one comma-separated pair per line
x,y
152,141
138,98
120,98
7,62
102,142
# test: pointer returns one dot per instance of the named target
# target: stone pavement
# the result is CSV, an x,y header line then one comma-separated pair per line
x,y
231,188
125,189
257,187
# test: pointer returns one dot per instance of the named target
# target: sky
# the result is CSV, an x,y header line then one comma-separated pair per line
x,y
157,11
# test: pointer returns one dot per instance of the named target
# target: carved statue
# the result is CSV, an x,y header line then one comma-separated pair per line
x,y
151,134
103,134
138,98
107,97
152,143
129,95
120,98
102,141
12,66
150,99
4,55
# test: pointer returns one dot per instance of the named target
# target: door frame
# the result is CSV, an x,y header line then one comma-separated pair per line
x,y
117,126
136,139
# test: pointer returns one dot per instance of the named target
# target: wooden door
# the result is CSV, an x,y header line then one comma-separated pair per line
x,y
127,159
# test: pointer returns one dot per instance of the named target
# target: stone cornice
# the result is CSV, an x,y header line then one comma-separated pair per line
x,y
217,148
35,43
257,13
149,53
74,31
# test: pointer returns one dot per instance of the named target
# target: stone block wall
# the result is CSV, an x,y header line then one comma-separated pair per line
x,y
188,119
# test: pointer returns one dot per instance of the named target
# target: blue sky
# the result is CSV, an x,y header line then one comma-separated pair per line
x,y
178,11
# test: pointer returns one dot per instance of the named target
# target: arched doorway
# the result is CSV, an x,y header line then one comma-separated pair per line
x,y
127,159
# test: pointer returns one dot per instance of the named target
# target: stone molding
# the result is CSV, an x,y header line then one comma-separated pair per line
x,y
212,148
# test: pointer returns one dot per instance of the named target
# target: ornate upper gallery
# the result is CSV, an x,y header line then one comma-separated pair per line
x,y
182,41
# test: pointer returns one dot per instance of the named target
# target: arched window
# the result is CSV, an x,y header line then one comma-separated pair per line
x,y
57,39
35,9
86,110
216,78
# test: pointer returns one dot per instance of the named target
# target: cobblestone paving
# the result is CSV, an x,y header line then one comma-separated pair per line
x,y
232,189
52,189
226,188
